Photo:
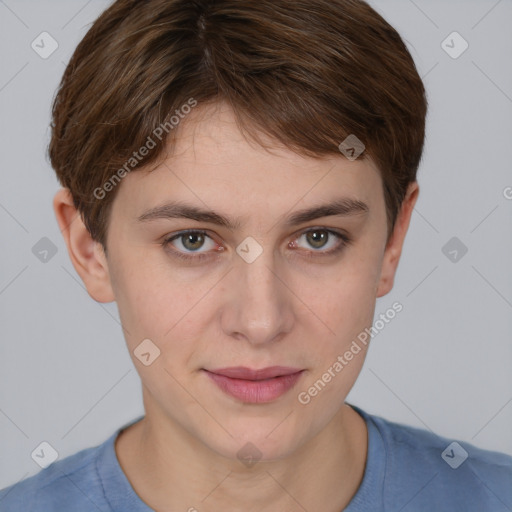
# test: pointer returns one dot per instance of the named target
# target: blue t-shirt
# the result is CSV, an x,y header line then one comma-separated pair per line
x,y
407,469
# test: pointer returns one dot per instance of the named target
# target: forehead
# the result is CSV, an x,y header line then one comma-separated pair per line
x,y
212,163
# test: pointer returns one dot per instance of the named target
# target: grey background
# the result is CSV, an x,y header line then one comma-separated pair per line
x,y
443,363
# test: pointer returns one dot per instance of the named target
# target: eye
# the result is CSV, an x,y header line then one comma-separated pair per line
x,y
330,241
189,242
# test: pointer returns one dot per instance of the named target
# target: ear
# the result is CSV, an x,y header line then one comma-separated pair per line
x,y
394,245
87,255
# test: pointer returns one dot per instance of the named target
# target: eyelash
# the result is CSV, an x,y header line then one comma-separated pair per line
x,y
344,242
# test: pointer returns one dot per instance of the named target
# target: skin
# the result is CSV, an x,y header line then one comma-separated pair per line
x,y
281,309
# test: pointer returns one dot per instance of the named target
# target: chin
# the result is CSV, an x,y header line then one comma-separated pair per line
x,y
252,442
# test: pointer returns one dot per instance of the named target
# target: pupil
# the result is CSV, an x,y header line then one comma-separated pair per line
x,y
193,238
318,238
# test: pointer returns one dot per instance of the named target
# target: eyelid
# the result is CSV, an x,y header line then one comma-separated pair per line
x,y
344,240
191,255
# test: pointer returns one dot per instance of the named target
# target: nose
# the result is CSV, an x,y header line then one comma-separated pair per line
x,y
259,305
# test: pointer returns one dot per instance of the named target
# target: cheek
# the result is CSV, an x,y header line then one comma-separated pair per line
x,y
347,306
144,299
157,304
345,298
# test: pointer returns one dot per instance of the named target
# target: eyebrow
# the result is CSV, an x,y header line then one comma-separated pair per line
x,y
343,207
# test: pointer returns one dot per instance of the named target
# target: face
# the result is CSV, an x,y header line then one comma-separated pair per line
x,y
253,286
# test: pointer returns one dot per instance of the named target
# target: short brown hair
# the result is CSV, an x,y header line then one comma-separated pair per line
x,y
307,73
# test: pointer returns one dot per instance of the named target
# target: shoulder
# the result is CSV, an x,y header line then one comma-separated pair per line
x,y
72,483
425,471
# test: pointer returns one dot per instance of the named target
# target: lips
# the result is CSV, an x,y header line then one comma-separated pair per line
x,y
255,386
242,372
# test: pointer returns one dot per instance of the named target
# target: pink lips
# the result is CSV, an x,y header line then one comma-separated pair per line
x,y
255,386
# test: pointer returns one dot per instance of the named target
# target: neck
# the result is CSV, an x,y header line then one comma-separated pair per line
x,y
171,470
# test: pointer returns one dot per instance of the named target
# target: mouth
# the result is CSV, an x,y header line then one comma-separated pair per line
x,y
255,386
